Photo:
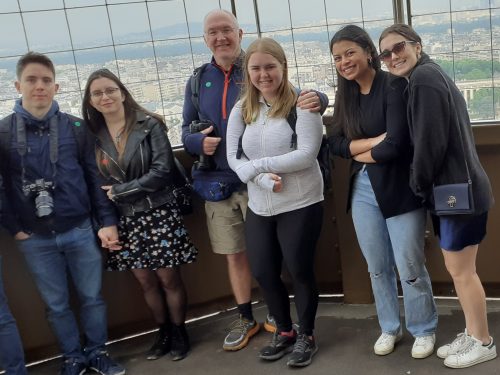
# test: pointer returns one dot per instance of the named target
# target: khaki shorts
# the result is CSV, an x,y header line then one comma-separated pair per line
x,y
226,223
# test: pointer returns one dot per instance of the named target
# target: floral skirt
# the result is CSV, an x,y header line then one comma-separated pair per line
x,y
152,239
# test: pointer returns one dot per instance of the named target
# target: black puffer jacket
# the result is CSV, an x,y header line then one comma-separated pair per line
x,y
147,164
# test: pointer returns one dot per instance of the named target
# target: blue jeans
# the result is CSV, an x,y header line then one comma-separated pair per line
x,y
387,244
11,348
51,259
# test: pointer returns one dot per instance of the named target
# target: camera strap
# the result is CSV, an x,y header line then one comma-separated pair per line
x,y
23,144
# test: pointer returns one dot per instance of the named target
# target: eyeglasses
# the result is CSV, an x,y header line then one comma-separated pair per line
x,y
110,91
225,31
396,48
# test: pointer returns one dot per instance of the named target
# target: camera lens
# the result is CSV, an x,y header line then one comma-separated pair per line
x,y
44,204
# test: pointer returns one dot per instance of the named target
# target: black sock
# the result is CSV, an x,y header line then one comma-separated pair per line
x,y
245,310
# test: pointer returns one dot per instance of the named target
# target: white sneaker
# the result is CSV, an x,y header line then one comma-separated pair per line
x,y
385,343
423,346
471,354
457,344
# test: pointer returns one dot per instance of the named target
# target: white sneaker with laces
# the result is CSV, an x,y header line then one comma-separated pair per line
x,y
423,346
385,343
473,353
455,346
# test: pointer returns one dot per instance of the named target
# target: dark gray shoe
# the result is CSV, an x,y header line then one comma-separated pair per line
x,y
278,347
72,367
303,351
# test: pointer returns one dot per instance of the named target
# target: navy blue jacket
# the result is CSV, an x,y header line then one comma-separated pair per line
x,y
77,190
219,92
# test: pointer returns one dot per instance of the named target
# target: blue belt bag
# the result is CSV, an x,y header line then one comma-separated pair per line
x,y
215,191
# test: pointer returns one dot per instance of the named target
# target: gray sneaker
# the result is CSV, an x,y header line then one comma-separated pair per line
x,y
303,351
240,332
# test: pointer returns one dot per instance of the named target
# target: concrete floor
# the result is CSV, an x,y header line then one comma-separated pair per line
x,y
345,335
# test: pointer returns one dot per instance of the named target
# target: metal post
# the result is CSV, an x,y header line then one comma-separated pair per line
x,y
257,19
233,8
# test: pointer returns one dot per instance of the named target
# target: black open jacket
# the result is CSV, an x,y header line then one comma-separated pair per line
x,y
147,165
383,110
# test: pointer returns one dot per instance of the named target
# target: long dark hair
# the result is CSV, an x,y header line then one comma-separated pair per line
x,y
95,119
347,112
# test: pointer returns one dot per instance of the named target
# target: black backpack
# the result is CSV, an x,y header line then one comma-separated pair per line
x,y
324,161
81,137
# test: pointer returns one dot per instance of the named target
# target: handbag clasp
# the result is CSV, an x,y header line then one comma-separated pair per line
x,y
452,200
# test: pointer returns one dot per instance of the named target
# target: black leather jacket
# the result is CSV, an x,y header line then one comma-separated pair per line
x,y
147,166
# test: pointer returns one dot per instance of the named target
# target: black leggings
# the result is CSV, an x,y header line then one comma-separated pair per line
x,y
292,237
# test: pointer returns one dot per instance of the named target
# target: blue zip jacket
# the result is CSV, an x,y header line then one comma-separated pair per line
x,y
219,92
77,181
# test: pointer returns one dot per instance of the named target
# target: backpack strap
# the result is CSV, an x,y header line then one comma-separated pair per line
x,y
291,118
195,86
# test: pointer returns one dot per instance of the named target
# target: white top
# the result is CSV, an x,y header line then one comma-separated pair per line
x,y
266,148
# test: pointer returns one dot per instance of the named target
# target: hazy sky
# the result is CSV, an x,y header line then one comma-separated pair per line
x,y
47,28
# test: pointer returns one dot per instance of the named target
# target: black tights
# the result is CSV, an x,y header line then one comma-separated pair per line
x,y
164,293
290,237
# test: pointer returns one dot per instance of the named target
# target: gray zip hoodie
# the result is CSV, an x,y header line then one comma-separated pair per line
x,y
266,146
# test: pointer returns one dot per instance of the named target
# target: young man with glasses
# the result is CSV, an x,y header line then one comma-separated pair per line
x,y
52,180
226,197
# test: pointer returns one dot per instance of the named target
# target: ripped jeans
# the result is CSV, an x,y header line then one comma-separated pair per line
x,y
387,244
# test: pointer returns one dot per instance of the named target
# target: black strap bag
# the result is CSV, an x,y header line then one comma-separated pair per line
x,y
454,199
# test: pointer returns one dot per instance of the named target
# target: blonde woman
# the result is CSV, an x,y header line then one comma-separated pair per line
x,y
285,190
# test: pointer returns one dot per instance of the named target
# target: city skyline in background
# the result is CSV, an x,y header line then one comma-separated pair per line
x,y
156,54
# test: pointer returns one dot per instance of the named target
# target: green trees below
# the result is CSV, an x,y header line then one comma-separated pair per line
x,y
470,70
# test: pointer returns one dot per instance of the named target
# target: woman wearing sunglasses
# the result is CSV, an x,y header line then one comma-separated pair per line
x,y
444,153
371,129
133,153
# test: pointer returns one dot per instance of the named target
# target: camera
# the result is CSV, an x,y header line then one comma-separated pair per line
x,y
44,202
204,162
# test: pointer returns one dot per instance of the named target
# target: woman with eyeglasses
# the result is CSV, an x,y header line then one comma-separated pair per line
x,y
134,154
370,128
444,153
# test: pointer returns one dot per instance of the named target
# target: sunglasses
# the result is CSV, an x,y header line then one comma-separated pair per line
x,y
396,48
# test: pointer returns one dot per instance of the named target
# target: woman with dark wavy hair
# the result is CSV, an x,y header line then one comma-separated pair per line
x,y
134,154
445,153
370,128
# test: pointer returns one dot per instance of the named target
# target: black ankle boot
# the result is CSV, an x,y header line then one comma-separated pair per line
x,y
161,345
180,342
